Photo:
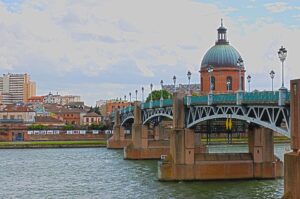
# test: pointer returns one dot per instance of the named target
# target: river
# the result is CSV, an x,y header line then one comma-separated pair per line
x,y
102,173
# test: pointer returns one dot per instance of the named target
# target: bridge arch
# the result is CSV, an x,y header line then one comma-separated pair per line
x,y
272,116
157,115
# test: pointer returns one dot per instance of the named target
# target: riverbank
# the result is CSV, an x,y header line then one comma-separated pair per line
x,y
53,144
217,141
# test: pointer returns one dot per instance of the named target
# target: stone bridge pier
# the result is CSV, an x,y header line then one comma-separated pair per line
x,y
142,147
292,160
188,160
117,141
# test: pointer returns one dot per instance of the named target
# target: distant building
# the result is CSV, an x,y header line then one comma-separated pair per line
x,y
59,99
48,121
91,118
195,88
16,114
36,99
16,88
112,104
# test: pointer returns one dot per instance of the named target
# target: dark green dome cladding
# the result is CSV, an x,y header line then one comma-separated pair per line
x,y
221,55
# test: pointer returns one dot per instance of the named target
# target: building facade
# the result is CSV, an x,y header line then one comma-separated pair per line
x,y
16,88
226,74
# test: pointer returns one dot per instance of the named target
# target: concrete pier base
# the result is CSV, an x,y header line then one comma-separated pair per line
x,y
291,175
218,167
117,144
153,149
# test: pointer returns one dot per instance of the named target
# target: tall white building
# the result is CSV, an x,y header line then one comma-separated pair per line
x,y
16,88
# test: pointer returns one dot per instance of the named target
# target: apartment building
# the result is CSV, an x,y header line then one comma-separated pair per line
x,y
16,88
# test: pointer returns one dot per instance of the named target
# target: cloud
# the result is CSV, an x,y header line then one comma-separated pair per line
x,y
278,7
104,49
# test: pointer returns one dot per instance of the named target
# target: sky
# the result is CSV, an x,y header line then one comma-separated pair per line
x,y
104,49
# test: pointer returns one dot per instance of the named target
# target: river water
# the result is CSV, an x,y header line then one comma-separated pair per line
x,y
102,173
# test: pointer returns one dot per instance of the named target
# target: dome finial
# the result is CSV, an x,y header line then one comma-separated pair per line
x,y
221,22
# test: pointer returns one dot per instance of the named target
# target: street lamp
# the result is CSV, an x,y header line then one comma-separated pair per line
x,y
228,84
143,94
161,93
124,97
272,75
282,53
174,80
129,96
151,87
249,80
240,64
189,74
210,69
136,92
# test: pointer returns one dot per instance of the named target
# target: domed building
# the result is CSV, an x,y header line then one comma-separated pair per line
x,y
222,58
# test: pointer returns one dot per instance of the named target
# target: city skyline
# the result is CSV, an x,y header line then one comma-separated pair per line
x,y
106,49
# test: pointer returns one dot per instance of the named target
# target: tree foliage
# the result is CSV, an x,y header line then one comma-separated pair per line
x,y
95,110
156,94
36,127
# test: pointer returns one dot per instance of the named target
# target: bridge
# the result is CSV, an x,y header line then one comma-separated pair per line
x,y
185,158
261,108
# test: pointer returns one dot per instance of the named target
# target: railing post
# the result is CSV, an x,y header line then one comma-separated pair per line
x,y
282,96
239,97
210,99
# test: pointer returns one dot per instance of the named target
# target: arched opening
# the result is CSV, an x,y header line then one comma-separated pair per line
x,y
213,83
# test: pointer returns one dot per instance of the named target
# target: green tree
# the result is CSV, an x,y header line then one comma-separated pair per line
x,y
68,127
36,127
156,95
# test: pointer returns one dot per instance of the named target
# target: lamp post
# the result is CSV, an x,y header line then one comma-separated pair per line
x,y
272,75
189,74
174,81
282,54
210,70
240,64
161,93
129,96
136,92
239,95
249,80
228,83
142,94
151,101
124,97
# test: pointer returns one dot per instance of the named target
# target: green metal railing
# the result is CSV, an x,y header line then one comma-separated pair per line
x,y
263,97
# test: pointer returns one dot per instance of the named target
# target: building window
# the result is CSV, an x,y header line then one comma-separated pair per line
x,y
242,80
92,120
229,83
213,83
12,117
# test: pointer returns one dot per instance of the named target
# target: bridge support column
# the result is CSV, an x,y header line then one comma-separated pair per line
x,y
292,160
117,141
261,147
142,147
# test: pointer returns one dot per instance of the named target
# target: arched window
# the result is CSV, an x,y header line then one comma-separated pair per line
x,y
229,83
213,83
242,82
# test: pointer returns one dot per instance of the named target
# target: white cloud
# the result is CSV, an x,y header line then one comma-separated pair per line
x,y
156,38
278,7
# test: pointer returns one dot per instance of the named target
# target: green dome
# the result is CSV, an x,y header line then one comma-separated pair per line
x,y
220,55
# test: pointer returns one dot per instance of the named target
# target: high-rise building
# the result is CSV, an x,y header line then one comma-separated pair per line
x,y
16,88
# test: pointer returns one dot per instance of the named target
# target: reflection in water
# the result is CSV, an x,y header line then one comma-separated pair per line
x,y
102,173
